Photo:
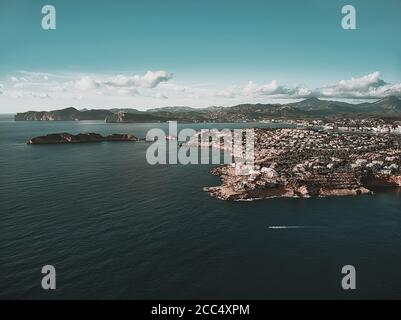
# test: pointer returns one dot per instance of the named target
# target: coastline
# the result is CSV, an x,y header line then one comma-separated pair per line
x,y
293,163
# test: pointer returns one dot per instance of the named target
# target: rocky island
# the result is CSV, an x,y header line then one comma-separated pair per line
x,y
304,163
62,138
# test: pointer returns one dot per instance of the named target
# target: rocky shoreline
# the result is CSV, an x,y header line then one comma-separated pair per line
x,y
63,138
297,163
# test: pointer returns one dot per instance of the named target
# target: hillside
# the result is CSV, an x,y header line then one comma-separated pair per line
x,y
389,107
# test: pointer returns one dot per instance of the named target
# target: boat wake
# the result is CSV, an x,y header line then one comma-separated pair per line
x,y
293,227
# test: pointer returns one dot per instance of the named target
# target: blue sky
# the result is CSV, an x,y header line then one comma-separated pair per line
x,y
211,52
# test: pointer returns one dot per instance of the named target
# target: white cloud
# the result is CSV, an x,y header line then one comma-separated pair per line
x,y
394,90
20,79
149,80
368,86
123,84
86,83
266,89
160,96
275,90
153,88
127,91
28,94
226,93
152,79
362,83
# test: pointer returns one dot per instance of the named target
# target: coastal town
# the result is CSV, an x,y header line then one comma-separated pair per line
x,y
373,125
294,162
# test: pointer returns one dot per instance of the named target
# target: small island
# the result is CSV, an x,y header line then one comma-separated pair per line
x,y
63,138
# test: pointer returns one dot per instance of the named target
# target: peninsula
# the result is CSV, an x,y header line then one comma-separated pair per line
x,y
303,163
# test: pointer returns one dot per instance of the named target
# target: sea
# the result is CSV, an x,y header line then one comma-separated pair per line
x,y
116,227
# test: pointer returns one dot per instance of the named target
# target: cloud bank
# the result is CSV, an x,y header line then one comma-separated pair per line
x,y
370,86
149,80
366,87
154,87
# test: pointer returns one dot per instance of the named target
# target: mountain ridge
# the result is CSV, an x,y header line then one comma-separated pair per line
x,y
309,108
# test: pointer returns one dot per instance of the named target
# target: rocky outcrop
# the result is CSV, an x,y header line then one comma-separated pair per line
x,y
395,180
344,192
239,189
62,138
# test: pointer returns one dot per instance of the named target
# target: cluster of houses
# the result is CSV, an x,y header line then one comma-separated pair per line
x,y
372,125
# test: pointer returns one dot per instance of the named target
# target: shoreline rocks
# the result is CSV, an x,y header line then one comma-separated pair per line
x,y
227,193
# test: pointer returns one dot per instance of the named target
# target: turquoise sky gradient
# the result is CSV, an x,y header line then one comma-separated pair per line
x,y
213,42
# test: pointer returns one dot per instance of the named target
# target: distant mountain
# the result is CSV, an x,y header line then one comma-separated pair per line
x,y
389,104
68,114
252,112
315,104
389,107
128,117
174,109
126,110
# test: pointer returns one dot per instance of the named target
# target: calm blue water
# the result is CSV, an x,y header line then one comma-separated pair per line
x,y
116,227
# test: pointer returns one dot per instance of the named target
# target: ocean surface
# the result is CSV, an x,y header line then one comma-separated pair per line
x,y
116,227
